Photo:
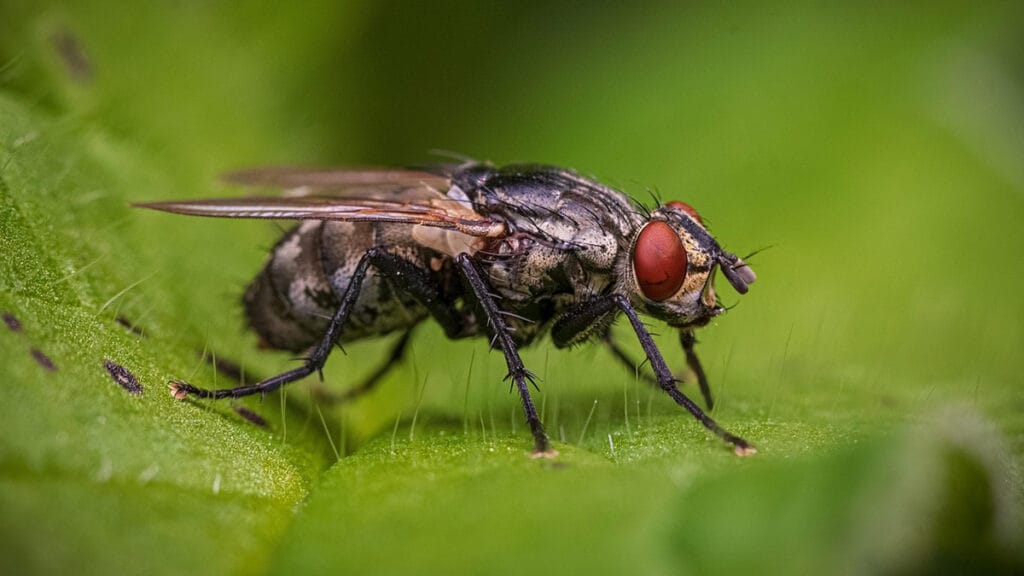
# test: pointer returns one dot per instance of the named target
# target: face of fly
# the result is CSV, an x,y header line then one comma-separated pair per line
x,y
672,265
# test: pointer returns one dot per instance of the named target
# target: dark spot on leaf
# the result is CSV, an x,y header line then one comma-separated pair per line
x,y
131,326
75,60
43,360
123,377
251,416
11,322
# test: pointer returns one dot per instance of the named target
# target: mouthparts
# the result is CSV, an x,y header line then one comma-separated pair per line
x,y
737,272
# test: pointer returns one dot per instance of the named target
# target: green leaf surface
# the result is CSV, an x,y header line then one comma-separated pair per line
x,y
875,364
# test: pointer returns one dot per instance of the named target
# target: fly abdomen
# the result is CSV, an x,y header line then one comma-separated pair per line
x,y
290,303
381,307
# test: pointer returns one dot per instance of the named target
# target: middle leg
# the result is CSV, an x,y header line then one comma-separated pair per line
x,y
520,376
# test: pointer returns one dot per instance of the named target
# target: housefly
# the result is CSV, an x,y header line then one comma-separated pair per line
x,y
510,253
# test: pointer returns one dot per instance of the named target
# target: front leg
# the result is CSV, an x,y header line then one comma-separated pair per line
x,y
623,357
516,370
688,340
582,319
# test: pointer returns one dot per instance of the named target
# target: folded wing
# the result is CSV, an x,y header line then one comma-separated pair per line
x,y
395,196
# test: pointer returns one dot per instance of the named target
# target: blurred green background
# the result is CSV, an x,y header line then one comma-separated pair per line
x,y
877,149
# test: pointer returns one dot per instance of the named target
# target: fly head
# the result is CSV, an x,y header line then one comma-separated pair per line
x,y
672,264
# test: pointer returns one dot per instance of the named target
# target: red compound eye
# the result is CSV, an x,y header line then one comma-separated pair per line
x,y
688,209
659,261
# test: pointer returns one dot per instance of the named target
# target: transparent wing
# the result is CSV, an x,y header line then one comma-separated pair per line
x,y
396,196
380,183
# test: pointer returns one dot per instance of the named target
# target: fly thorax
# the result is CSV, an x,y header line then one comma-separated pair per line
x,y
597,249
521,267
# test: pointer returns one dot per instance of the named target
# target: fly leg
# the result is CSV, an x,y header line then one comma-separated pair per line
x,y
403,272
395,356
582,317
687,339
314,362
622,356
520,376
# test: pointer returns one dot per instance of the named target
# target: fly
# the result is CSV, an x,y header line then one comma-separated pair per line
x,y
509,253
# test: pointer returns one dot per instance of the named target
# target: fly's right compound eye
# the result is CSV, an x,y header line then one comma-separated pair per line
x,y
688,209
659,261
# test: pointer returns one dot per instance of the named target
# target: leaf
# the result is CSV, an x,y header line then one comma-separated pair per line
x,y
875,150
80,454
934,501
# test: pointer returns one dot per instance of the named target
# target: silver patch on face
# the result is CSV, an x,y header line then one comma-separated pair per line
x,y
707,295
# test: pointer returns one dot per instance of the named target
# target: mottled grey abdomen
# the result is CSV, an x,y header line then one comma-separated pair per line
x,y
302,284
